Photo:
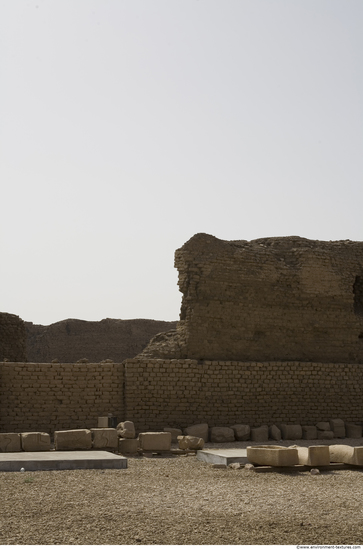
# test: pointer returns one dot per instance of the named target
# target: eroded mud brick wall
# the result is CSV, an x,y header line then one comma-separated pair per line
x,y
272,299
160,393
12,338
55,396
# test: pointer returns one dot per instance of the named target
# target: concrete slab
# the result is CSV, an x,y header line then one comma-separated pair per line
x,y
61,460
223,456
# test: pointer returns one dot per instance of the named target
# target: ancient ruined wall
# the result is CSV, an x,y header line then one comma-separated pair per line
x,y
12,338
74,339
56,396
174,393
272,299
155,393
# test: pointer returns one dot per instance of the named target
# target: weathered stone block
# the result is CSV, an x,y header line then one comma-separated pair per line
x,y
190,442
10,443
242,432
338,427
126,430
35,441
310,432
275,433
104,438
221,435
259,434
73,440
155,441
272,455
346,454
175,432
102,422
291,431
128,446
198,430
317,455
353,431
323,426
325,434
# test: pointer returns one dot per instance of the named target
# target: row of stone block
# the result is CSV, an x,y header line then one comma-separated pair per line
x,y
319,455
66,440
336,428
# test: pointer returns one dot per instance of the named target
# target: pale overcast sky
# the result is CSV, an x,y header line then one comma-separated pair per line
x,y
127,126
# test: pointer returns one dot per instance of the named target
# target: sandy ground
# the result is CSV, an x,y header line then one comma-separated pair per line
x,y
180,500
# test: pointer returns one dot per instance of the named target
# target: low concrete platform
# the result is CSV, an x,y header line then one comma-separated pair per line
x,y
61,460
223,456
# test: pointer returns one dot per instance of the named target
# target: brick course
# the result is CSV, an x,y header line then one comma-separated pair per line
x,y
155,393
55,396
174,393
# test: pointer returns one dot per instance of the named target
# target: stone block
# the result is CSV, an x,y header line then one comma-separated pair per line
x,y
35,441
325,434
128,446
73,440
346,454
198,430
175,432
310,432
190,442
323,426
338,427
272,455
275,433
102,422
259,434
353,431
242,432
155,441
104,438
126,430
317,455
221,435
291,431
10,443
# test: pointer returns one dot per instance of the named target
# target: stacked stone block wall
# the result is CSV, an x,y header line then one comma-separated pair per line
x,y
55,396
178,393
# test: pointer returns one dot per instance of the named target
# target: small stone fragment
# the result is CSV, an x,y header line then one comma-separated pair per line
x,y
126,430
315,471
235,466
189,442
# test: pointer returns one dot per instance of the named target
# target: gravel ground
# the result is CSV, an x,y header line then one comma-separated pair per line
x,y
180,500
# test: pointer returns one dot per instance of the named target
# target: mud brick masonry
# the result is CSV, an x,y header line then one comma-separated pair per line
x,y
55,396
270,331
12,338
272,299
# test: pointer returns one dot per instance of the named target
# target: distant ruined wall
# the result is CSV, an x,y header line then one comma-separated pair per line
x,y
272,299
12,338
55,396
74,339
